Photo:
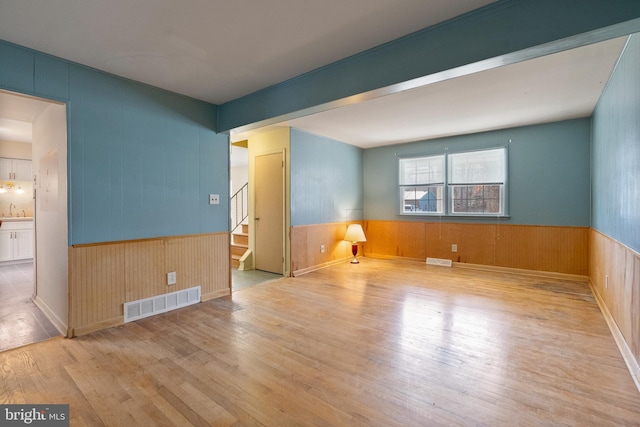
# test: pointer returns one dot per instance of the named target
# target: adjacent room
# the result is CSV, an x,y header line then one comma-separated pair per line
x,y
375,213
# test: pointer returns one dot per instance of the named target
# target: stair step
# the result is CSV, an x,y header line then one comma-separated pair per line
x,y
240,239
235,261
239,244
238,249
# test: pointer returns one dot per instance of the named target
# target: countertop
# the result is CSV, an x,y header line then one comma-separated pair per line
x,y
16,218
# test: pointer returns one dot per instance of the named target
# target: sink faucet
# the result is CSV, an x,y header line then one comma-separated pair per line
x,y
11,206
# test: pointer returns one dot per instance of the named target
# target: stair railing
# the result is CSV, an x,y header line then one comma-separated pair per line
x,y
239,207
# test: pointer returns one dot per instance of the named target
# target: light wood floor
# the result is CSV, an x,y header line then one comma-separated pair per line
x,y
383,343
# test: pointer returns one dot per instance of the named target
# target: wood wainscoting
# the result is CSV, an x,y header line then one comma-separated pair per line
x,y
528,247
305,246
103,276
615,281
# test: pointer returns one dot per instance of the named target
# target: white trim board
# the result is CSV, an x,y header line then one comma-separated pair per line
x,y
627,354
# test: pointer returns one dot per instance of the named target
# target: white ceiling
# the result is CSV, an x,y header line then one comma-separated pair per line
x,y
17,112
556,87
218,50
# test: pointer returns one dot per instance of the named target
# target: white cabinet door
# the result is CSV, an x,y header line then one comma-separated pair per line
x,y
15,170
6,243
6,169
22,170
16,240
22,244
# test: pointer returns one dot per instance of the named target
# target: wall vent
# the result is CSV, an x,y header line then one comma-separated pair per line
x,y
439,261
142,308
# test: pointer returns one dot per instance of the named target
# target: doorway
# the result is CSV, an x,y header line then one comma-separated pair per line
x,y
242,278
34,131
269,213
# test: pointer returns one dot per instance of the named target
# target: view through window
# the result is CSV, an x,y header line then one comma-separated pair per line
x,y
465,183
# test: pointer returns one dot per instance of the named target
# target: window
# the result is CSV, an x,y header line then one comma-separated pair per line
x,y
473,183
476,182
422,185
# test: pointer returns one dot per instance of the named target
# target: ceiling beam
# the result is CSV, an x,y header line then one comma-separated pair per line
x,y
502,33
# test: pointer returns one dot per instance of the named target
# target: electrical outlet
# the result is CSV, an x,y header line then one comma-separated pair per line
x,y
454,248
171,278
321,249
214,199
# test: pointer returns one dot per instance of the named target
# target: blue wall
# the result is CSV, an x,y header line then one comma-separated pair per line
x,y
548,173
142,161
616,152
326,180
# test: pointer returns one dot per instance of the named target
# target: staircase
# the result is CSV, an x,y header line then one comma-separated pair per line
x,y
239,227
239,244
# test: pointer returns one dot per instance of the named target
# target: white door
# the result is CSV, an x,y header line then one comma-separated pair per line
x,y
22,170
23,244
6,169
6,242
269,213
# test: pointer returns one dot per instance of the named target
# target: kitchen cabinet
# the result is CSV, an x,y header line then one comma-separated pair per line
x,y
16,240
15,169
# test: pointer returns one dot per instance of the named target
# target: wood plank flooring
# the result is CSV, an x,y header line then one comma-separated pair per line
x,y
382,343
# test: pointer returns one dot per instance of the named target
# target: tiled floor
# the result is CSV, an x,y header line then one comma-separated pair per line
x,y
245,279
21,322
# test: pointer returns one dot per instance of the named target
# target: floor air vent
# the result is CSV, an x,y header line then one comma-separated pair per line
x,y
439,261
142,308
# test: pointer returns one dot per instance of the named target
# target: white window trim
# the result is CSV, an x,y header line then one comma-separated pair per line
x,y
447,201
441,183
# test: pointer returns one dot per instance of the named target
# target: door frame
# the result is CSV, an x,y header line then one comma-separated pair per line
x,y
272,141
57,311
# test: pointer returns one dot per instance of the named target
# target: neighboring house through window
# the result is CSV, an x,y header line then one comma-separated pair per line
x,y
422,185
465,183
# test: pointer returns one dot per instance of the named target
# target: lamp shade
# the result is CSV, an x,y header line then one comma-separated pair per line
x,y
355,233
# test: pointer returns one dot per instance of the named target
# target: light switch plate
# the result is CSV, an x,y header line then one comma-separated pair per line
x,y
171,278
214,199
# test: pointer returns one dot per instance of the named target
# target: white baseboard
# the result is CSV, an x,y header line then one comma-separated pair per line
x,y
55,320
536,273
302,271
627,354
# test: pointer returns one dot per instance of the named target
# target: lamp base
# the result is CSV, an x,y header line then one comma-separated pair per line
x,y
354,251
